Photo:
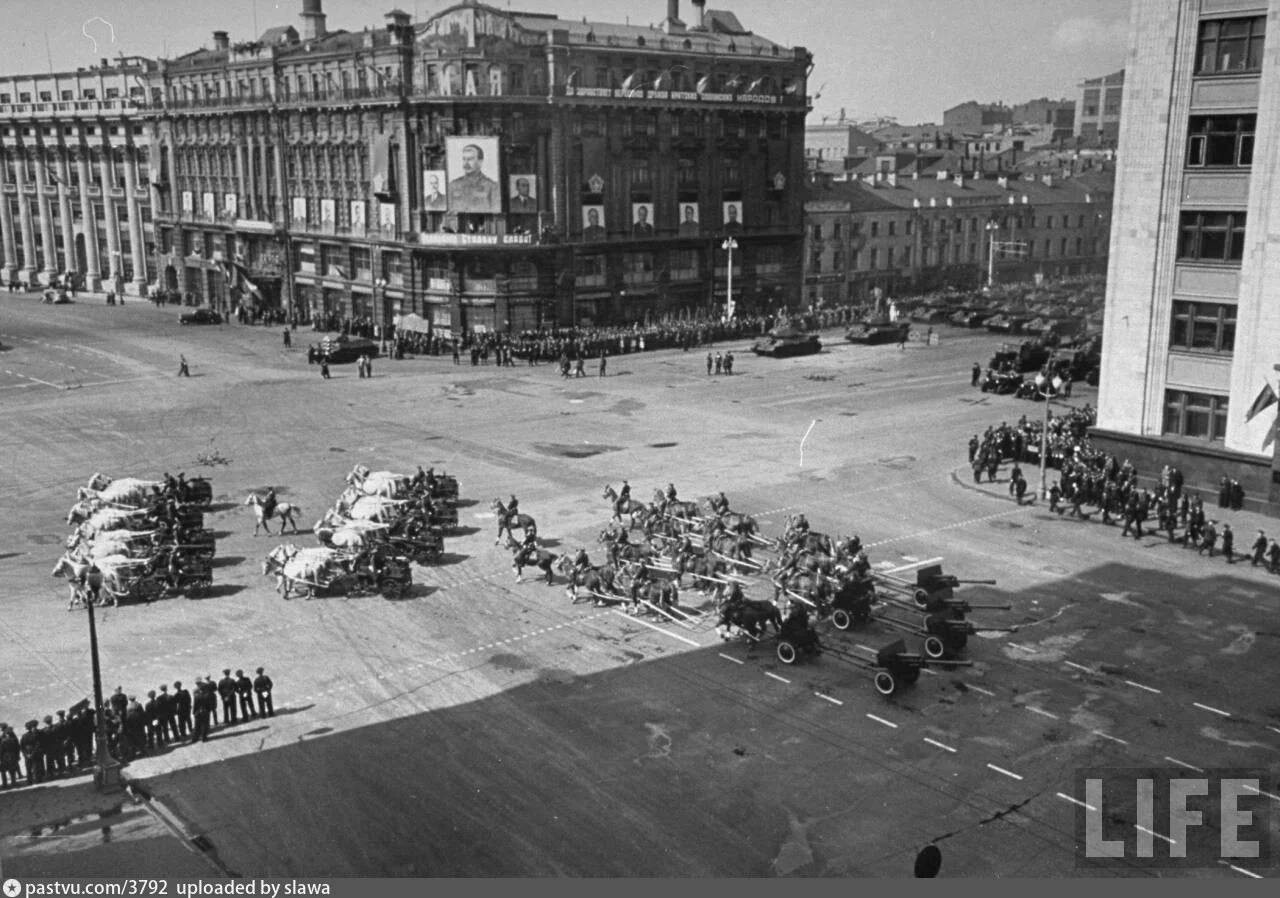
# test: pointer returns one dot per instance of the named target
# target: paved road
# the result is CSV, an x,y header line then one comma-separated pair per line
x,y
514,733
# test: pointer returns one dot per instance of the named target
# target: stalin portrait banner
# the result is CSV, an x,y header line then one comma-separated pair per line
x,y
472,164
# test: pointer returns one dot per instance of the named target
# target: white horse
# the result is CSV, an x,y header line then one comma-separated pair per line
x,y
78,573
380,483
283,510
105,520
309,567
126,491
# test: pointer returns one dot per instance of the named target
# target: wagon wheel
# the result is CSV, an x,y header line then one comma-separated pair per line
x,y
841,619
393,589
922,597
934,647
786,652
885,683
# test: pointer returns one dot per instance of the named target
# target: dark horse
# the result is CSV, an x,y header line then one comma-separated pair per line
x,y
532,556
750,617
507,521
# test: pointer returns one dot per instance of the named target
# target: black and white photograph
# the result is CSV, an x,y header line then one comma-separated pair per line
x,y
709,445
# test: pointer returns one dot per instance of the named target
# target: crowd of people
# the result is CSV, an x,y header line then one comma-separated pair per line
x,y
65,746
1088,476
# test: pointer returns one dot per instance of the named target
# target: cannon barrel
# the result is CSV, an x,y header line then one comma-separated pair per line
x,y
948,663
977,582
965,607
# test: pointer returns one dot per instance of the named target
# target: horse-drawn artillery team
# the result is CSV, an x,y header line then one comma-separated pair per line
x,y
138,539
809,576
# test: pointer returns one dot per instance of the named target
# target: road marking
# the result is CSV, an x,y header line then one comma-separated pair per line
x,y
980,689
1140,686
1152,832
1213,710
1043,713
768,673
1184,764
939,745
1248,873
888,723
834,701
1083,804
1021,648
1078,666
1270,795
730,658
1108,736
1008,773
659,629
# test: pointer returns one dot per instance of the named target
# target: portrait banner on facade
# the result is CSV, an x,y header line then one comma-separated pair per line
x,y
472,164
642,219
328,214
387,217
522,195
733,216
357,216
690,226
593,223
209,205
300,210
188,202
434,199
230,204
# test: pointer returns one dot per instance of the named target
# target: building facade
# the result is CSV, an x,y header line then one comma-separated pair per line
x,y
1097,118
908,235
75,177
486,169
1192,330
974,117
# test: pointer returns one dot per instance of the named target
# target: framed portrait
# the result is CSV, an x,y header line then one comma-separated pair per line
x,y
522,194
593,223
472,164
299,208
733,216
642,219
690,225
434,199
387,216
209,205
328,213
188,202
357,216
230,204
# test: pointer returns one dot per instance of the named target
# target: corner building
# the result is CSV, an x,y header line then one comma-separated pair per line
x,y
1192,328
486,169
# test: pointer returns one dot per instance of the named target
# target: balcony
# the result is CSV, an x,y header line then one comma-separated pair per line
x,y
73,108
426,238
643,95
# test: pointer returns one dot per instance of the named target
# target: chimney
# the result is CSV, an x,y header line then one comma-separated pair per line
x,y
221,41
312,20
701,15
672,24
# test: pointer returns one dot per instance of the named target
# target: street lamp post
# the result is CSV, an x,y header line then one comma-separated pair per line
x,y
729,245
991,228
380,297
106,769
1046,389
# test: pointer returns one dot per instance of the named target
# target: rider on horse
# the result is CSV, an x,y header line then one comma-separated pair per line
x,y
528,548
719,504
269,504
736,596
580,561
671,493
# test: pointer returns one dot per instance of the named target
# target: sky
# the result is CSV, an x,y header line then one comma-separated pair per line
x,y
909,59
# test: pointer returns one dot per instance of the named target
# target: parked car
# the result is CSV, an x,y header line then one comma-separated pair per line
x,y
202,315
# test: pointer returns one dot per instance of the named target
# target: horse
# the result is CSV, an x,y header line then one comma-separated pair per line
x,y
85,509
532,556
596,580
656,593
630,507
718,504
705,572
310,567
125,491
686,511
379,483
283,510
742,524
508,521
83,579
751,617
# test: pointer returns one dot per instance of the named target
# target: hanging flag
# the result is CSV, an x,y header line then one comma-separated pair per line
x,y
1265,399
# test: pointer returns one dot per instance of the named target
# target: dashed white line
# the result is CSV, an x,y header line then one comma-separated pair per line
x,y
1152,832
659,629
834,701
730,658
1041,712
1270,795
937,744
1140,686
888,723
1242,870
1211,710
1083,804
980,689
1184,764
1077,667
1109,736
1008,773
769,673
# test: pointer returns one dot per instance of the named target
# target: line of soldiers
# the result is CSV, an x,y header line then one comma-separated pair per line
x,y
64,746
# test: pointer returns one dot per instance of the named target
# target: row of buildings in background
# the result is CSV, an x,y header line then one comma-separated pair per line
x,y
486,169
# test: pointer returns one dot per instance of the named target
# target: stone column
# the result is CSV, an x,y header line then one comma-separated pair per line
x,y
6,226
137,243
250,179
29,266
277,167
48,239
88,225
64,212
109,212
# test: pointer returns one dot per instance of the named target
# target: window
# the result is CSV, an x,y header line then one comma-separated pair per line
x,y
640,176
836,230
892,225
1203,327
875,231
875,259
687,173
888,257
113,93
591,271
815,262
732,171
906,257
637,267
1230,45
837,261
817,232
1212,236
683,263
1062,250
908,227
1200,416
1221,140
1048,222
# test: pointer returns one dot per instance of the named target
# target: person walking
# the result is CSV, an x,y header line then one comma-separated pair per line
x,y
1259,549
360,367
710,363
368,366
1228,544
976,375
324,367
603,362
288,340
183,369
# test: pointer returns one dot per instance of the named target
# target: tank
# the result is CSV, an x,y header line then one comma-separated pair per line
x,y
878,330
787,341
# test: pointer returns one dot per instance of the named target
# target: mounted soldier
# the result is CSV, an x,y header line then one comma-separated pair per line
x,y
269,503
671,493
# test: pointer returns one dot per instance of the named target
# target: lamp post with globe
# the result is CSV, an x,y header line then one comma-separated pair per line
x,y
1046,389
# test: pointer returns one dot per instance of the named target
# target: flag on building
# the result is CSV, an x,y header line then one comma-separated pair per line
x,y
1265,400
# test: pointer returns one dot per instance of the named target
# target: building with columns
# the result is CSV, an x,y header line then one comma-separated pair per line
x,y
1191,341
75,175
484,168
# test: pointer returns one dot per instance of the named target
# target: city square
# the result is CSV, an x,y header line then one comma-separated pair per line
x,y
518,733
